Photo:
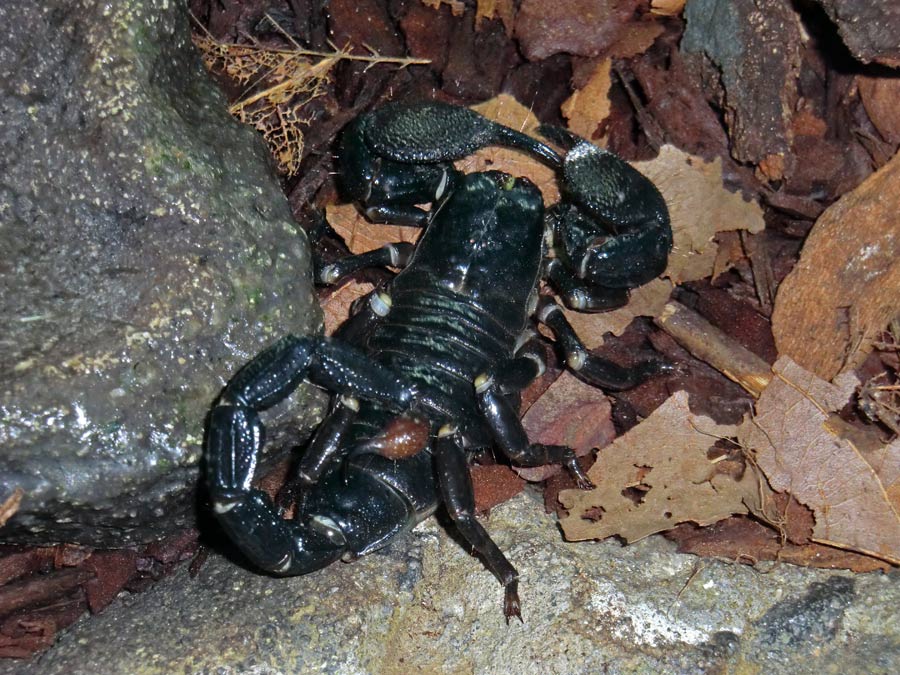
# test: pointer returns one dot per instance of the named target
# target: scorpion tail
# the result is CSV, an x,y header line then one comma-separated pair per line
x,y
284,547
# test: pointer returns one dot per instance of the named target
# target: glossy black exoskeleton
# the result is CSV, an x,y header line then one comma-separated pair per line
x,y
611,231
430,367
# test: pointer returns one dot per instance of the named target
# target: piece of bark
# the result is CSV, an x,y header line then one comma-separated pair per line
x,y
880,97
754,45
748,541
113,570
37,589
869,29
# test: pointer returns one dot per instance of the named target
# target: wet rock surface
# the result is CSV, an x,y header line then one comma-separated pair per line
x,y
427,606
148,252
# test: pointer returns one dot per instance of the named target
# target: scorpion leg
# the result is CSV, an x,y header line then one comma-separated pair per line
x,y
322,453
457,494
592,369
510,436
512,375
389,255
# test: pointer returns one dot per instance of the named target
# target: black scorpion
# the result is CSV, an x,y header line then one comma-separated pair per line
x,y
430,368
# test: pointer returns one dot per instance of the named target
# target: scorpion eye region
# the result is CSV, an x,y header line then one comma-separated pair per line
x,y
404,436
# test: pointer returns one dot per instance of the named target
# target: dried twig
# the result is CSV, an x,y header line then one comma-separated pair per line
x,y
280,83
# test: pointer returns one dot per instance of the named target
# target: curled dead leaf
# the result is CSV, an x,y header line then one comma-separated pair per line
x,y
844,290
854,493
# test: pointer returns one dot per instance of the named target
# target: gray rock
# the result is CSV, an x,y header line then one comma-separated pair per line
x,y
427,606
147,253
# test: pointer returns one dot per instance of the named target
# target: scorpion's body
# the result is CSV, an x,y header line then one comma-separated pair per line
x,y
453,315
431,365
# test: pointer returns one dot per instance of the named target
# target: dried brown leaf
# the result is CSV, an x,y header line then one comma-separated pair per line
x,y
635,38
854,494
569,413
457,7
580,27
588,106
336,307
504,10
699,207
667,7
657,475
360,235
845,289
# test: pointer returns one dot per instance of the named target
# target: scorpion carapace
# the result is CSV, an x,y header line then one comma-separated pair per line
x,y
430,366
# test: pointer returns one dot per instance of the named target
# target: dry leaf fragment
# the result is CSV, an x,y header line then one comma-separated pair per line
x,y
855,497
360,235
699,206
457,7
336,307
579,27
846,287
569,413
667,7
588,106
504,10
657,475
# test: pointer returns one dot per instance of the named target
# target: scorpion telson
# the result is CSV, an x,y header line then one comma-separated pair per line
x,y
430,367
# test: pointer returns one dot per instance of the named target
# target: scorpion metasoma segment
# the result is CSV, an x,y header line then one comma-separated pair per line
x,y
429,368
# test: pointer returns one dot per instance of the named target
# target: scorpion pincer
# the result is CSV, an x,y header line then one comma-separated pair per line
x,y
430,367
